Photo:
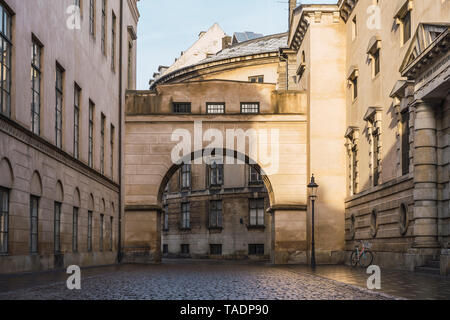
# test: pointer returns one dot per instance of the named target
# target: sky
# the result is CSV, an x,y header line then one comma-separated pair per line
x,y
168,27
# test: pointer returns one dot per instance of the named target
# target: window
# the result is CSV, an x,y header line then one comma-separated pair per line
x,y
405,142
102,221
216,174
130,65
184,107
256,249
215,108
75,230
354,29
111,233
57,228
111,142
256,79
165,248
4,216
185,215
375,156
89,234
92,17
354,83
215,214
255,176
376,62
354,165
59,106
34,209
36,88
5,61
250,107
185,176
184,249
102,144
91,134
256,212
113,42
76,122
166,218
103,40
406,27
215,249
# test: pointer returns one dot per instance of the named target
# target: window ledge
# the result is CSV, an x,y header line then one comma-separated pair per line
x,y
215,229
185,229
256,227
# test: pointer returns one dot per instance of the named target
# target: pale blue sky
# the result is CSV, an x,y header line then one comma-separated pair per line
x,y
168,27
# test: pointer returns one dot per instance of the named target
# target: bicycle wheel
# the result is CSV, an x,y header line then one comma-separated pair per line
x,y
366,259
354,259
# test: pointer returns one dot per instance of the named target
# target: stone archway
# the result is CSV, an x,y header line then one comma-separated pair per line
x,y
149,145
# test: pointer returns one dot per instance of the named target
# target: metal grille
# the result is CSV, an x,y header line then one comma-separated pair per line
x,y
215,108
249,107
181,107
256,249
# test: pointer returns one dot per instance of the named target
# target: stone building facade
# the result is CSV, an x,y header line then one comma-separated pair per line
x,y
216,211
60,130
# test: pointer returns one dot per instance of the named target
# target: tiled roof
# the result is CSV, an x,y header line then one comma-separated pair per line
x,y
239,37
261,45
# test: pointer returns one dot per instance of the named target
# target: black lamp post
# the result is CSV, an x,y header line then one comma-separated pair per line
x,y
313,186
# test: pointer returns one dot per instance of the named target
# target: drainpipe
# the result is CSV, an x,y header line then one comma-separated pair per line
x,y
119,250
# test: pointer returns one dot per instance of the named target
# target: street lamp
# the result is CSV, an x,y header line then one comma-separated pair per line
x,y
313,186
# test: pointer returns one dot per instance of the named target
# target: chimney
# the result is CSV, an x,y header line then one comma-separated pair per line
x,y
226,42
292,6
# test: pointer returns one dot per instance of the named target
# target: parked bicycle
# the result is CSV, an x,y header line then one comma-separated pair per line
x,y
362,256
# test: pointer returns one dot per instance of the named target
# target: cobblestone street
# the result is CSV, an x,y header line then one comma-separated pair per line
x,y
185,281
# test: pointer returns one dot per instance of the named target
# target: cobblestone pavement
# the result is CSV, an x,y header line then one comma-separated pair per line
x,y
185,281
410,285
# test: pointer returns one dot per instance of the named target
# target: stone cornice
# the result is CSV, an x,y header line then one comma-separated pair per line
x,y
25,136
346,8
287,207
138,208
132,4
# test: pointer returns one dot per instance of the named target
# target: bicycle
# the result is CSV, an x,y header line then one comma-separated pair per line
x,y
364,256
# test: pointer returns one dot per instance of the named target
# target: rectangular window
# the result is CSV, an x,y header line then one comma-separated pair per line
x,y
256,79
215,214
185,176
111,233
216,174
376,62
256,249
375,157
103,40
57,228
215,249
405,142
91,134
36,88
181,107
4,220
102,144
185,215
406,25
355,169
5,61
102,221
165,248
59,105
184,249
130,65
92,17
215,108
250,107
76,122
354,29
256,212
113,42
255,176
89,233
166,218
354,88
34,209
75,230
111,143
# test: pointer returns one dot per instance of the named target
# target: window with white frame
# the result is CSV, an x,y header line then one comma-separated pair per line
x,y
185,176
250,107
215,214
215,108
59,92
255,176
36,87
89,233
76,121
102,226
215,174
256,212
92,17
185,215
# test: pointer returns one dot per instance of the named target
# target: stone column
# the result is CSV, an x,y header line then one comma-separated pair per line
x,y
425,177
